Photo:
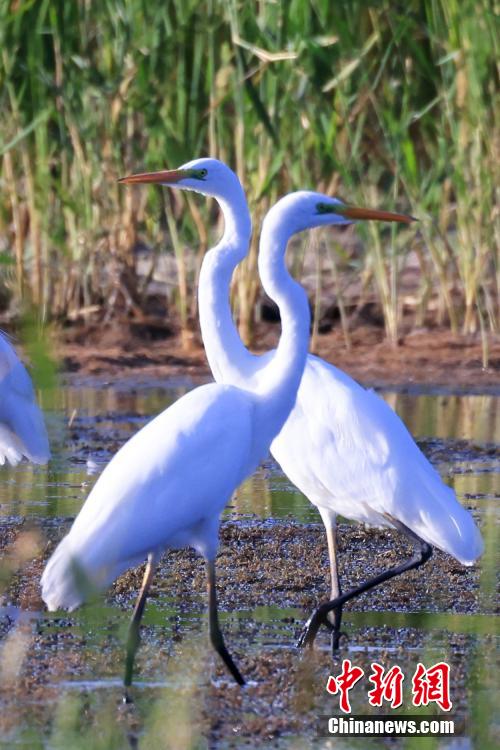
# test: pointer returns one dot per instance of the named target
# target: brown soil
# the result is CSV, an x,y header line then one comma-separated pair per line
x,y
285,695
421,357
260,563
290,570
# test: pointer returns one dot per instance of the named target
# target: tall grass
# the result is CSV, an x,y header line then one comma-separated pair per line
x,y
388,103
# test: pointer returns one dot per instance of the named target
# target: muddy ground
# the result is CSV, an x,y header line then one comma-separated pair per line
x,y
425,356
441,609
261,563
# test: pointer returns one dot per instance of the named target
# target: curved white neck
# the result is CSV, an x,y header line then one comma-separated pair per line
x,y
282,373
225,351
278,376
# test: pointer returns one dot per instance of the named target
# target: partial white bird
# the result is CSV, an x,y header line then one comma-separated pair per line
x,y
342,445
167,486
22,429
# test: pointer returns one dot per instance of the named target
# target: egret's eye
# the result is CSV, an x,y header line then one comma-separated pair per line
x,y
199,174
326,208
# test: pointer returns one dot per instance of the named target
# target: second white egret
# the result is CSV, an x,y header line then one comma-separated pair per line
x,y
342,445
22,428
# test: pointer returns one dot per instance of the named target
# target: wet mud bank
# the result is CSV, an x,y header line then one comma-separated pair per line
x,y
270,574
421,357
275,563
60,674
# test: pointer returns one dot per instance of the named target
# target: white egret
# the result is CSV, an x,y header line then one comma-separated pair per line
x,y
22,429
342,445
167,486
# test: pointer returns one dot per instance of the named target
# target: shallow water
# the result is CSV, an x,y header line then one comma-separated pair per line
x,y
88,421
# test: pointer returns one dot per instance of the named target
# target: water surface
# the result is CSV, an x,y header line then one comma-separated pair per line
x,y
88,422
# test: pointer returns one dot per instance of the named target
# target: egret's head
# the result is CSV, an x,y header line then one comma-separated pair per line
x,y
207,176
305,210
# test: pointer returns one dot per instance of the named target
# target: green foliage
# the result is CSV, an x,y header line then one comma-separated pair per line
x,y
335,95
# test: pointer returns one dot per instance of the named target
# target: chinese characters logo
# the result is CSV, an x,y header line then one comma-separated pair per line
x,y
430,685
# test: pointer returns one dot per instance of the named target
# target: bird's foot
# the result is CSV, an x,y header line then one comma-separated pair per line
x,y
336,635
301,642
310,629
127,699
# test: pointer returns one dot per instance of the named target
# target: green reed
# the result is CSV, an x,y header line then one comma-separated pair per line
x,y
374,101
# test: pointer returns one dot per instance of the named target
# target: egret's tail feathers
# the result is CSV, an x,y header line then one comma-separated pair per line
x,y
11,448
464,542
24,436
33,434
61,587
71,577
68,581
447,525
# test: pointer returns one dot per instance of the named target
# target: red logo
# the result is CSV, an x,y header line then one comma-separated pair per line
x,y
428,685
432,685
343,683
388,687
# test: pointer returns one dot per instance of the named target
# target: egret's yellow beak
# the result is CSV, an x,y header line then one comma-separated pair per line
x,y
165,177
355,213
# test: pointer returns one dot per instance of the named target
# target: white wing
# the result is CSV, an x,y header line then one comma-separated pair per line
x,y
166,487
348,451
22,429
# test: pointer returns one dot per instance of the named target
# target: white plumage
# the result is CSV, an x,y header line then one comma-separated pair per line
x,y
22,429
165,488
350,454
341,445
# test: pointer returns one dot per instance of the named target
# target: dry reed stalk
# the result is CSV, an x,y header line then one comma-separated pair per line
x,y
19,234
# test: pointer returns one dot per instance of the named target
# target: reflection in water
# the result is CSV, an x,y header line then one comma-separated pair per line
x,y
87,425
104,416
475,418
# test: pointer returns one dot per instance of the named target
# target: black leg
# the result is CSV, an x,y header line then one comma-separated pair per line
x,y
215,632
336,621
133,637
319,616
